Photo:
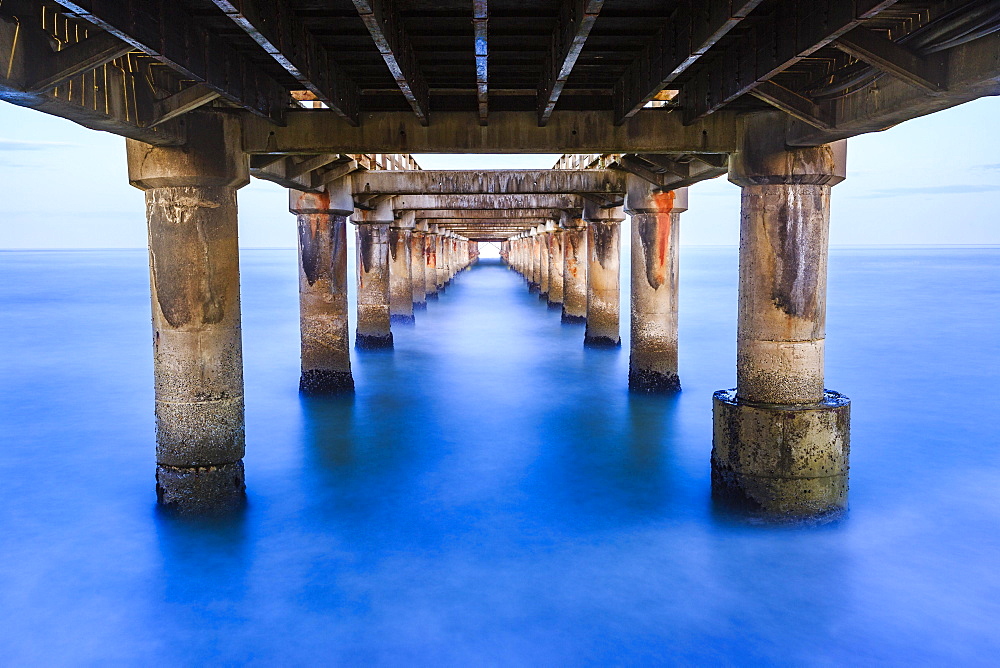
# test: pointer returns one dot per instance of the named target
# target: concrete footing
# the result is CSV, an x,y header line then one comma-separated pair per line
x,y
783,460
201,490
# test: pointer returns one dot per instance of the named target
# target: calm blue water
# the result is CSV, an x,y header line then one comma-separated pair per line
x,y
492,495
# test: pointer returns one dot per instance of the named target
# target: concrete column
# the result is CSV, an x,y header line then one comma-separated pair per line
x,y
556,266
442,258
655,257
323,320
374,331
781,440
603,280
534,283
418,265
574,268
543,261
430,262
401,268
194,280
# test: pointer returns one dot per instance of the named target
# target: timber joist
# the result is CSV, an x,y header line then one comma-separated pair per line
x,y
554,76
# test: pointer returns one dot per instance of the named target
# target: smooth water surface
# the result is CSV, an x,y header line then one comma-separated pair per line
x,y
492,495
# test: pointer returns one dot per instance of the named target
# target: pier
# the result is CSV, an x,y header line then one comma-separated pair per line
x,y
642,100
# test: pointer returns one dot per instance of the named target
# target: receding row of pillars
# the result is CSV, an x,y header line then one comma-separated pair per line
x,y
781,440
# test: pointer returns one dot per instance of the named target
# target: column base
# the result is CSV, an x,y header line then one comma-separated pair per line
x,y
574,319
201,490
431,297
373,342
325,381
421,305
782,461
652,382
403,319
601,342
533,287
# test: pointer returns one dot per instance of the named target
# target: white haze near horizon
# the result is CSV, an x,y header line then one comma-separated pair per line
x,y
933,180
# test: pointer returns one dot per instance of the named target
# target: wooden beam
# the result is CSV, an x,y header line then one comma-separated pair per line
x,y
884,54
576,19
164,30
480,20
650,131
181,103
386,27
285,38
793,104
690,33
792,32
81,57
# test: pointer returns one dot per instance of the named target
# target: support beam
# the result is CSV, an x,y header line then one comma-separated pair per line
x,y
971,72
791,33
689,34
165,30
884,54
793,104
511,181
181,103
480,22
649,131
490,214
76,59
576,19
386,27
284,37
496,204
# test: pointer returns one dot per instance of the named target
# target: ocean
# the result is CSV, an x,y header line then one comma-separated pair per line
x,y
492,494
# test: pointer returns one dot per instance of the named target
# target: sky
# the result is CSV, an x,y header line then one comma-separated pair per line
x,y
931,180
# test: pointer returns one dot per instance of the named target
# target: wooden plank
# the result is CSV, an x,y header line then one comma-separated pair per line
x,y
576,19
792,104
386,28
884,54
181,103
480,20
285,38
795,30
690,33
164,30
81,57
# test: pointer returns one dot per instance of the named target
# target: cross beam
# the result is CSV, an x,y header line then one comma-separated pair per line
x,y
509,181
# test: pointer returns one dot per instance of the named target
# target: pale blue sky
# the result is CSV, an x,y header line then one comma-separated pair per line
x,y
932,180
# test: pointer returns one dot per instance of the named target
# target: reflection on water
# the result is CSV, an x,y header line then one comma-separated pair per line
x,y
491,493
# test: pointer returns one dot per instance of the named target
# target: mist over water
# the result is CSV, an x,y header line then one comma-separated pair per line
x,y
492,494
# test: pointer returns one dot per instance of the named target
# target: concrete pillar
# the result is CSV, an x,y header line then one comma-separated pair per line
x,y
323,320
574,268
543,261
534,283
195,288
603,280
430,266
442,258
374,331
781,441
418,265
400,268
655,257
556,266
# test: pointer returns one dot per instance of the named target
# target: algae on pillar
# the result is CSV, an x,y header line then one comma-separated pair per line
x,y
781,440
418,265
195,288
603,280
655,255
323,319
400,269
374,330
575,260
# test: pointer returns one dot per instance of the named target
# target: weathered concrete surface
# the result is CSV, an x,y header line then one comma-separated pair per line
x,y
575,262
534,278
787,460
430,263
418,267
400,277
543,262
195,295
603,276
556,266
323,309
781,439
497,182
374,330
654,287
442,259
